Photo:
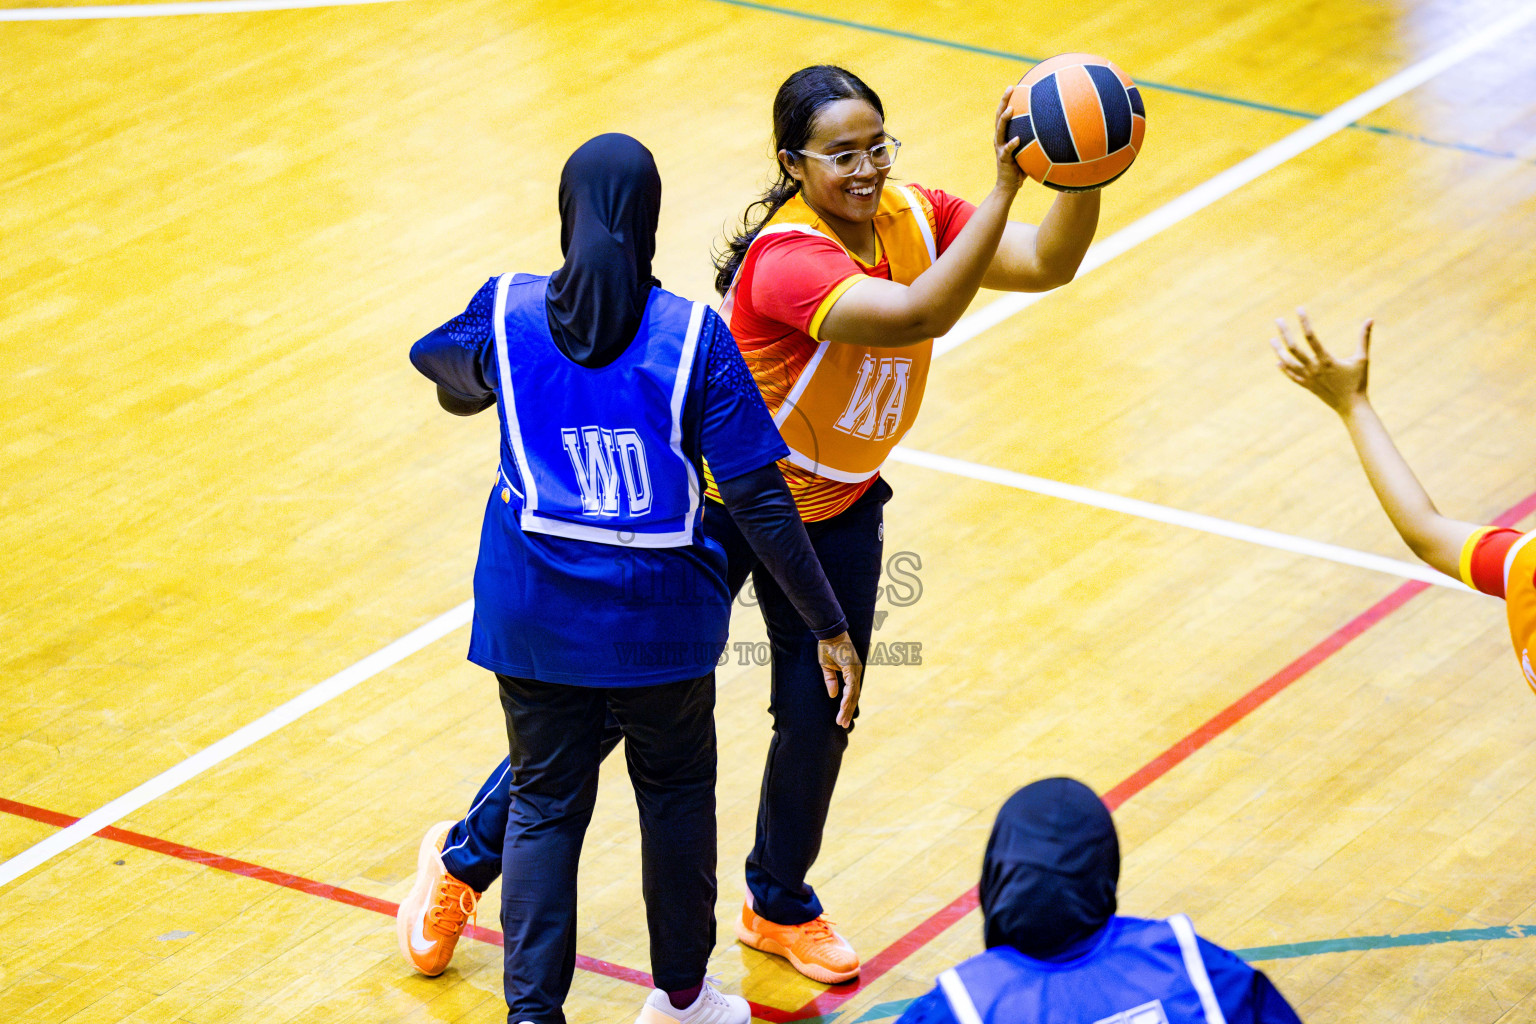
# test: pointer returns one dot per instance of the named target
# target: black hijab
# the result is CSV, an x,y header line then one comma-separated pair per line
x,y
1052,863
610,198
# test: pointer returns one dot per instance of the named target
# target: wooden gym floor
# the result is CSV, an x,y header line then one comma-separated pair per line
x,y
224,484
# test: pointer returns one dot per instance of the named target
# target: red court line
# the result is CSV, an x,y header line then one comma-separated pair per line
x,y
288,881
888,958
1239,709
1147,774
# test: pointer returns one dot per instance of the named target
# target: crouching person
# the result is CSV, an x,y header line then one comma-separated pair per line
x,y
1057,953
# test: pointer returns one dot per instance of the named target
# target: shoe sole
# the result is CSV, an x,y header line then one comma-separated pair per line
x,y
421,888
815,972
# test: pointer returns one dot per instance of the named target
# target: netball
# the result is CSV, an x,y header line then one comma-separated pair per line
x,y
1081,122
635,513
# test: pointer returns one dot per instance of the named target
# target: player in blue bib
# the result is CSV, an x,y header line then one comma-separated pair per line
x,y
601,603
1057,953
596,455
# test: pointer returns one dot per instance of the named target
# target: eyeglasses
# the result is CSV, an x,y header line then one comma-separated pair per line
x,y
848,162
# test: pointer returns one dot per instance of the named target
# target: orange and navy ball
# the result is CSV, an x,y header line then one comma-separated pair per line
x,y
1081,121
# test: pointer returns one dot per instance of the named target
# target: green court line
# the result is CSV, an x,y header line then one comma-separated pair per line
x,y
1180,90
1291,950
884,1010
1295,949
1465,147
1003,54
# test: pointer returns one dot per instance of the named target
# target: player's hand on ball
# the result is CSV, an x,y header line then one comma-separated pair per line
x,y
838,657
1009,176
1339,383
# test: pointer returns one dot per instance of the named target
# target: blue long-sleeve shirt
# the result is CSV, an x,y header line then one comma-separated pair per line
x,y
725,422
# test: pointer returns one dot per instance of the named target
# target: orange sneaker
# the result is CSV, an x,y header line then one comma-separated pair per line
x,y
438,908
814,949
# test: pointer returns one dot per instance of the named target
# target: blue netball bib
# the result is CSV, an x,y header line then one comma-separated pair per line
x,y
1141,972
596,454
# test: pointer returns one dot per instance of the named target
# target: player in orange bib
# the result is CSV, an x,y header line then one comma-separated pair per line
x,y
834,289
834,293
1494,560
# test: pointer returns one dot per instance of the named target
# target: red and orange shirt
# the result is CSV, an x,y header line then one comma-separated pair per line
x,y
785,287
1502,562
1482,558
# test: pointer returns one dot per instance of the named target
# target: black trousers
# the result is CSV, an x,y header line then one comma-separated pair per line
x,y
806,751
558,739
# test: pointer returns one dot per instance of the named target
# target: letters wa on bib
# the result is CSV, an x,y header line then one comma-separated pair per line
x,y
841,408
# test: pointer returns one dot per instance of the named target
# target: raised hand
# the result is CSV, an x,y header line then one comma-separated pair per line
x,y
1009,176
1339,383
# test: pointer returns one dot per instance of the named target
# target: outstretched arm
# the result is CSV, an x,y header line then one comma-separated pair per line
x,y
1435,538
1035,259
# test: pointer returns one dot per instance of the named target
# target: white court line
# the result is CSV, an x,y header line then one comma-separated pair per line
x,y
266,725
1240,174
1178,517
172,10
1191,202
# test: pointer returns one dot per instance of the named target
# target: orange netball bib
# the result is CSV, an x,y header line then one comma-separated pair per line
x,y
1520,601
851,404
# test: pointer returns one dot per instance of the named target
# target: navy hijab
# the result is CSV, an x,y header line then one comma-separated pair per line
x,y
1052,863
610,199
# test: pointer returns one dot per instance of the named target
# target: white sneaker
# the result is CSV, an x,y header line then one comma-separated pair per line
x,y
712,1007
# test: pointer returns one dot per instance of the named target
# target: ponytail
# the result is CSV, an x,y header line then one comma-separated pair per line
x,y
799,100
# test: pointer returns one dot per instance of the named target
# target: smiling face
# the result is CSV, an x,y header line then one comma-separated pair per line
x,y
841,126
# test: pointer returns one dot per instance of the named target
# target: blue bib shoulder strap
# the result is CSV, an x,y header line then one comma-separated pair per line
x,y
1142,972
959,998
599,452
1189,947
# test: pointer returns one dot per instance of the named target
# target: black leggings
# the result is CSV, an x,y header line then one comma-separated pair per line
x,y
804,756
558,735
806,751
